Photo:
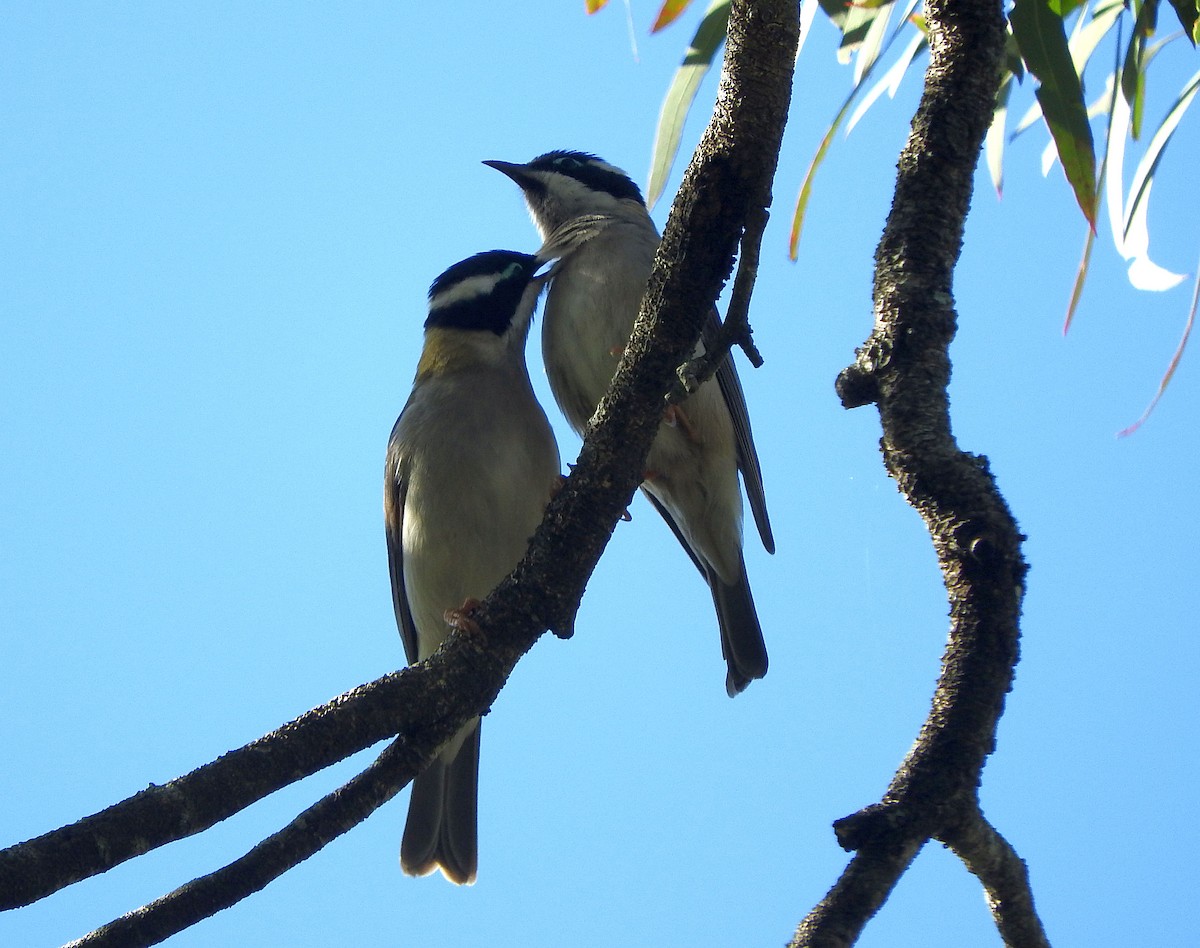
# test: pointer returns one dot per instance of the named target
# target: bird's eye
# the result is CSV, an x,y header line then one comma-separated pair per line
x,y
566,162
512,270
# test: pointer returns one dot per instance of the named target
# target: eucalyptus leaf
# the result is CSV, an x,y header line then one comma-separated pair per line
x,y
682,93
1040,34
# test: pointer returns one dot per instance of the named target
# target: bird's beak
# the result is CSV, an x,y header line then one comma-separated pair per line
x,y
519,173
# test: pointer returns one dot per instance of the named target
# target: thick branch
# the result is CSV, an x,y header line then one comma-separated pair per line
x,y
905,368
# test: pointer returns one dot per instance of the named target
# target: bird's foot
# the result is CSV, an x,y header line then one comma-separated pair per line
x,y
458,618
676,417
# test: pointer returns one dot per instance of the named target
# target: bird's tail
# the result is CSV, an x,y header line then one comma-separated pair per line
x,y
741,636
442,827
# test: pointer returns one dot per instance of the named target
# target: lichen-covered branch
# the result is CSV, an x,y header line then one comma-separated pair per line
x,y
904,368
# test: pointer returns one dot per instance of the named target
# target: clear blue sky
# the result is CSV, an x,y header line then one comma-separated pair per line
x,y
218,226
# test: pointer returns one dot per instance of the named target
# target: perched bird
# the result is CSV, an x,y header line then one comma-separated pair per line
x,y
470,466
705,441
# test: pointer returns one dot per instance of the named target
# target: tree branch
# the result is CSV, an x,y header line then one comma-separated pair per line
x,y
328,818
1004,875
192,803
729,178
735,329
904,368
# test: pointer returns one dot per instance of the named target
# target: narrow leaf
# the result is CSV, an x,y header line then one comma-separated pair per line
x,y
682,92
669,13
854,26
994,143
808,13
1133,72
1158,143
889,82
1188,12
1143,272
1080,278
1174,364
806,184
1084,41
826,141
872,43
1043,42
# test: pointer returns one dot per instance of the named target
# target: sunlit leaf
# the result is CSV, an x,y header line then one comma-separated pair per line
x,y
682,92
1040,35
806,184
837,11
993,144
1080,278
1109,105
1114,160
872,43
889,82
669,13
1188,12
593,6
855,25
823,148
1143,272
1133,71
808,13
1095,28
1175,360
1144,174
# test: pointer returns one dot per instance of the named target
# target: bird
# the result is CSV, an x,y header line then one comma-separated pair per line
x,y
471,464
705,441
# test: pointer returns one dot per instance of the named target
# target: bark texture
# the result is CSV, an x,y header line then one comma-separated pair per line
x,y
904,368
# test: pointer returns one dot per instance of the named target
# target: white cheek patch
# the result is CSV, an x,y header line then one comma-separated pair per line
x,y
605,166
471,288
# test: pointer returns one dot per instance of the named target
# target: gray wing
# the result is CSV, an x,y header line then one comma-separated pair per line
x,y
666,515
747,456
395,490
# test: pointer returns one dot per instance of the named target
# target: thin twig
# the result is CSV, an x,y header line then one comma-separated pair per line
x,y
735,329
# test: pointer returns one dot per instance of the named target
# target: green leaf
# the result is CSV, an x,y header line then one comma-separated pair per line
x,y
682,92
855,25
872,43
1042,39
1083,43
1188,12
1133,72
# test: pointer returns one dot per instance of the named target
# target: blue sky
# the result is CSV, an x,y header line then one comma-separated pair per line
x,y
218,226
